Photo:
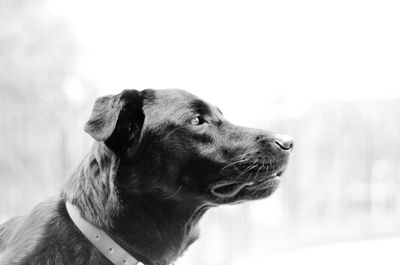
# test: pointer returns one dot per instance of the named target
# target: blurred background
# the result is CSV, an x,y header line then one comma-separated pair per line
x,y
326,72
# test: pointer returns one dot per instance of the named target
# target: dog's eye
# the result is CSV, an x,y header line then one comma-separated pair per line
x,y
196,121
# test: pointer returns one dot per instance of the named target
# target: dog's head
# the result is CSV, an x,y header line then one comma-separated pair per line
x,y
173,145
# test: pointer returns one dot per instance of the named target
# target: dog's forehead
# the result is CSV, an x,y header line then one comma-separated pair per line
x,y
167,102
173,97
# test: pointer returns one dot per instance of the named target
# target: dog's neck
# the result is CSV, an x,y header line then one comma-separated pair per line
x,y
157,232
153,230
95,173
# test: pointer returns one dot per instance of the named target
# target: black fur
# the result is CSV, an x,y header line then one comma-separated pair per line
x,y
149,178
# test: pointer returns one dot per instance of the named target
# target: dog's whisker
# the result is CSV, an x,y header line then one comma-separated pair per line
x,y
258,171
239,157
262,163
249,177
241,173
175,193
171,132
245,171
234,163
252,166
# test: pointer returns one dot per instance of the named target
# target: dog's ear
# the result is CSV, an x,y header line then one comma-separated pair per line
x,y
116,119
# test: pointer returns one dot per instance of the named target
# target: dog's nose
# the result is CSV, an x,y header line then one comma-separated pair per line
x,y
285,142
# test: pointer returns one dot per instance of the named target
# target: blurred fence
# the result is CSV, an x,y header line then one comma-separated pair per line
x,y
40,147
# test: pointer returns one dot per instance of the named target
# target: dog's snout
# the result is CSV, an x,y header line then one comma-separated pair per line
x,y
280,141
285,142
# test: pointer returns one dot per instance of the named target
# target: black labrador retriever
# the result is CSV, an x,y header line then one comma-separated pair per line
x,y
160,160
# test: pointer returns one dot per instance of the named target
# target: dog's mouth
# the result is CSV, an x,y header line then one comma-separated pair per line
x,y
248,189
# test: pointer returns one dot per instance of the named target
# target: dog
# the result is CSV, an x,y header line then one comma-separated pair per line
x,y
160,160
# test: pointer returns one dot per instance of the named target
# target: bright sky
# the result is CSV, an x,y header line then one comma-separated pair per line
x,y
250,52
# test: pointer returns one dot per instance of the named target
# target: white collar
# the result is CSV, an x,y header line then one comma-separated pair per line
x,y
105,244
